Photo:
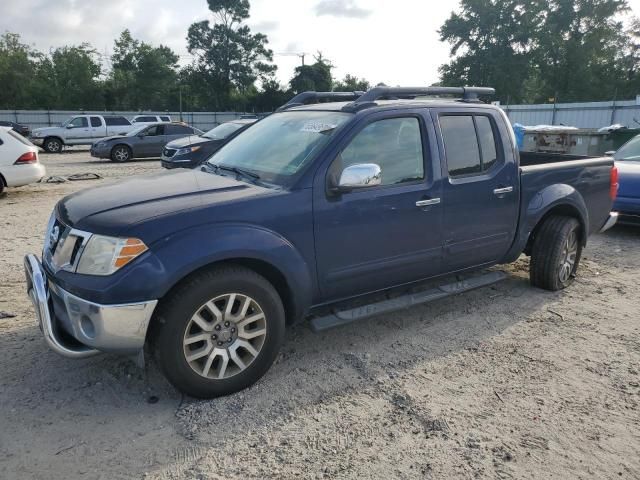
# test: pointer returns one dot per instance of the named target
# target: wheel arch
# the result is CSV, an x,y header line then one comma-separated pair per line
x,y
266,269
562,209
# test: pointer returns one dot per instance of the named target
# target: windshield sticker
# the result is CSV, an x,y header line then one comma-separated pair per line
x,y
318,127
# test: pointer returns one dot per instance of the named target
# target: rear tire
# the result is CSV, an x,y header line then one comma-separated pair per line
x,y
121,153
207,348
556,253
52,145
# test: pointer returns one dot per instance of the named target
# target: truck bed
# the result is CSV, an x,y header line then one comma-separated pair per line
x,y
588,177
539,158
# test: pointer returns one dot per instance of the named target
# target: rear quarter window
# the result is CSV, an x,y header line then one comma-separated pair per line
x,y
116,121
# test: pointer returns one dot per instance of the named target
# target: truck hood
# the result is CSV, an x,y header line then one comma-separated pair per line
x,y
45,130
629,179
110,209
190,140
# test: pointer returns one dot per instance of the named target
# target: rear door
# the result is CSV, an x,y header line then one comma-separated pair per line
x,y
384,235
481,188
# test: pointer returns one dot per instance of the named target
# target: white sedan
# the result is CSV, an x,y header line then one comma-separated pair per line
x,y
19,164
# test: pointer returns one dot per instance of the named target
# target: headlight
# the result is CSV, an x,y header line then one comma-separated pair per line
x,y
36,134
105,255
187,150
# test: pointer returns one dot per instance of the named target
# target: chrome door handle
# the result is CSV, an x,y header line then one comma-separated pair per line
x,y
426,203
500,191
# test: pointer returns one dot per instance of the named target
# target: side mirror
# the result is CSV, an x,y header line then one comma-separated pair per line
x,y
360,175
69,126
610,153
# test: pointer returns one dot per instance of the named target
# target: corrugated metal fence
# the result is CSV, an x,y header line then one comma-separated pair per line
x,y
46,118
581,115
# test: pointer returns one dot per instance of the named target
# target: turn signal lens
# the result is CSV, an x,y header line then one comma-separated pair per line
x,y
132,248
105,255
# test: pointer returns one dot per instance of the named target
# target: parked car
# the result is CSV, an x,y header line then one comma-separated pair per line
x,y
309,214
138,119
189,152
23,130
79,130
142,142
19,164
628,162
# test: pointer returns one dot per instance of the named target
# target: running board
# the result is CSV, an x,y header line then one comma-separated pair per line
x,y
406,301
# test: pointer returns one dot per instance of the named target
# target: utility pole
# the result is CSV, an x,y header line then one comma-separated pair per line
x,y
180,96
302,55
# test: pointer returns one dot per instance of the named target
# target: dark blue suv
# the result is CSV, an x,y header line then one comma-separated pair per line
x,y
331,212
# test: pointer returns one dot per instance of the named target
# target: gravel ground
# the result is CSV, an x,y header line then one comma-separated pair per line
x,y
504,382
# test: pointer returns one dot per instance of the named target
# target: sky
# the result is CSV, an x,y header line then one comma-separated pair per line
x,y
395,42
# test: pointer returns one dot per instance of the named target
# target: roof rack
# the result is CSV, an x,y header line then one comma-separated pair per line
x,y
468,94
315,97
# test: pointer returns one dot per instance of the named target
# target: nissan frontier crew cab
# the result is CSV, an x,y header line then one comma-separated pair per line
x,y
332,212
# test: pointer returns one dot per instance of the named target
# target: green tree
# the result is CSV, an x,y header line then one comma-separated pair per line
x,y
531,50
18,69
316,77
75,77
351,83
142,76
228,55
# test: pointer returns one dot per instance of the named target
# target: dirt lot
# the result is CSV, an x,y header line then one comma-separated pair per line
x,y
504,382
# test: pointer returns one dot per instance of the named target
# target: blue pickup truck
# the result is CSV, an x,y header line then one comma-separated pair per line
x,y
336,208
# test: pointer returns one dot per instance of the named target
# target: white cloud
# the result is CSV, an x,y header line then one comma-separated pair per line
x,y
396,44
341,8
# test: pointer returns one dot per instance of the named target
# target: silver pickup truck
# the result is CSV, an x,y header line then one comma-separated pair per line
x,y
80,130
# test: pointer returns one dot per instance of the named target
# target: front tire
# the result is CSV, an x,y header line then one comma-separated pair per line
x,y
556,253
52,145
219,332
121,153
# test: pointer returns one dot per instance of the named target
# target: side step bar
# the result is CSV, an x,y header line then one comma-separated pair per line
x,y
405,301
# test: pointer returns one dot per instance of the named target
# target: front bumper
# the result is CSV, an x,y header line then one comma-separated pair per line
x,y
38,141
611,221
177,162
93,327
100,152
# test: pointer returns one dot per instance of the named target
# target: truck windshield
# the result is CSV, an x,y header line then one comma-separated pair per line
x,y
279,146
630,151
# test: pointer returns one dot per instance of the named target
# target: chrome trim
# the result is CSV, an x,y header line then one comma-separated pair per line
x,y
426,203
37,291
117,328
611,221
360,175
500,191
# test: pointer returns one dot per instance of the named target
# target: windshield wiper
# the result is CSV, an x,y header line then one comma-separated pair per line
x,y
254,177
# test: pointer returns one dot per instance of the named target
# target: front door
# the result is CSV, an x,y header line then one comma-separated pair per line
x,y
384,235
150,145
481,187
78,131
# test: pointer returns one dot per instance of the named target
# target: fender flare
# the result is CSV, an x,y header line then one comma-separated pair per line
x,y
560,198
184,253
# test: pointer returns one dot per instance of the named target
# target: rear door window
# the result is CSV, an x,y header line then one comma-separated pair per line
x,y
469,144
460,145
177,130
165,119
487,142
96,122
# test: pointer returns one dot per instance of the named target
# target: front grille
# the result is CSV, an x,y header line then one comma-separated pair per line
x,y
169,152
63,245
